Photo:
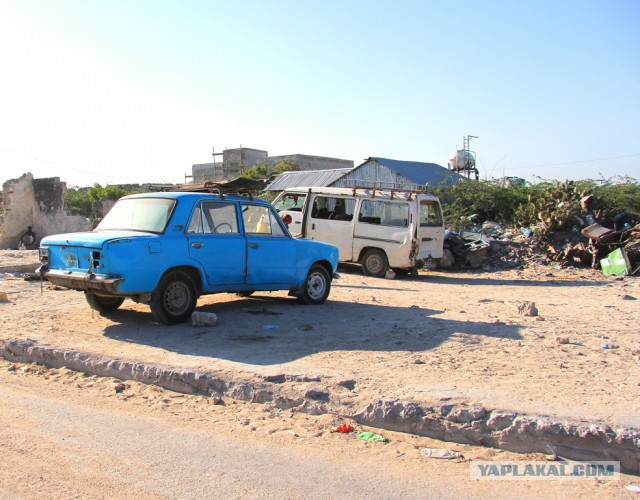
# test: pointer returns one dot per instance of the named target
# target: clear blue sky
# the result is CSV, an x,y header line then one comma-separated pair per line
x,y
135,91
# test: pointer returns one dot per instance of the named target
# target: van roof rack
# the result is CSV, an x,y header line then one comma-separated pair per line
x,y
391,187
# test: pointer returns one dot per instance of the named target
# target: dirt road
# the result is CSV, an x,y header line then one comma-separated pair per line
x,y
68,435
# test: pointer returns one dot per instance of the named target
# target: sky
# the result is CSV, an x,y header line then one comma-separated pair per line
x,y
125,91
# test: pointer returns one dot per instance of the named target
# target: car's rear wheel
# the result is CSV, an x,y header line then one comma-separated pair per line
x,y
174,299
374,263
103,303
317,286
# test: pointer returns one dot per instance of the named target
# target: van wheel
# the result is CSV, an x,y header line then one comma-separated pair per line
x,y
374,263
316,287
174,299
103,303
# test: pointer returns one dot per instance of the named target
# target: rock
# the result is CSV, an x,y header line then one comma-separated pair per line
x,y
463,415
562,340
317,394
349,383
528,309
390,275
624,297
199,318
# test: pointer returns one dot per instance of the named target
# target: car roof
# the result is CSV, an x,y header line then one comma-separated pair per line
x,y
173,195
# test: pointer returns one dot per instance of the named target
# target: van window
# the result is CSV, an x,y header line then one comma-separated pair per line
x,y
334,208
430,214
385,213
291,201
260,220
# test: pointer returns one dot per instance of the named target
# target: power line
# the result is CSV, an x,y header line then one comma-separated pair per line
x,y
573,162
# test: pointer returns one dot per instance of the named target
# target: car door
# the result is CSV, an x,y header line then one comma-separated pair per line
x,y
215,241
271,252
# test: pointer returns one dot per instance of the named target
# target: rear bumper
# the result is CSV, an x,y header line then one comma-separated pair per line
x,y
81,281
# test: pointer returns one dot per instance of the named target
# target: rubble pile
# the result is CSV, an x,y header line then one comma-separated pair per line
x,y
493,247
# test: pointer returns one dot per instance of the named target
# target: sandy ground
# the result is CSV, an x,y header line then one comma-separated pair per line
x,y
441,336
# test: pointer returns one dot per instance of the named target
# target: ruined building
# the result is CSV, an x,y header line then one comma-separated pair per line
x,y
38,203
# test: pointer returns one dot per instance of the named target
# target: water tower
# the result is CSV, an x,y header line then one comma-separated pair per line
x,y
463,160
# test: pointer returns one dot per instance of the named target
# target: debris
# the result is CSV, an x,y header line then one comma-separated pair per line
x,y
390,275
203,319
372,437
440,453
616,263
528,309
633,488
343,429
4,297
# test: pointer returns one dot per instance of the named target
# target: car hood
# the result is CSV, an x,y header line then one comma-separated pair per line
x,y
91,239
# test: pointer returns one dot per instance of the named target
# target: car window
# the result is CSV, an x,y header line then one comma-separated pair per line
x,y
259,219
384,213
334,208
138,214
212,217
430,214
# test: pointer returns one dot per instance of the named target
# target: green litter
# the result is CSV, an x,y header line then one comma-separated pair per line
x,y
616,263
372,437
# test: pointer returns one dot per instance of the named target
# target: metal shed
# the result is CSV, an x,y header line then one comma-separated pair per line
x,y
384,172
309,178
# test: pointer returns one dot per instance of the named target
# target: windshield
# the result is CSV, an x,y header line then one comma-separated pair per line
x,y
138,214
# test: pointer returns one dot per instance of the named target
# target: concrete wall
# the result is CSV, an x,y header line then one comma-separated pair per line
x,y
38,203
234,161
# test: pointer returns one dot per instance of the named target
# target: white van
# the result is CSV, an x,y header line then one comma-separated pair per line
x,y
379,229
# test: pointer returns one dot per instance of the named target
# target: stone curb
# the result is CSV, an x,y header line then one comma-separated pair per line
x,y
476,425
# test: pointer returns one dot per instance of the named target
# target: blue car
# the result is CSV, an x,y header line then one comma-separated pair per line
x,y
167,249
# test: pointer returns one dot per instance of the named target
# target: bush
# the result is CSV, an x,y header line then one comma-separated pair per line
x,y
548,205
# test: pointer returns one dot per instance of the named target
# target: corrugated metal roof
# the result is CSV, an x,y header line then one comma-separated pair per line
x,y
419,172
308,178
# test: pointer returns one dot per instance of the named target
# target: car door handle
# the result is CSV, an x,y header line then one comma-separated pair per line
x,y
197,245
253,245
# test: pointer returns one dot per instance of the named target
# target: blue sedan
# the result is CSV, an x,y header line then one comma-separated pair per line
x,y
167,249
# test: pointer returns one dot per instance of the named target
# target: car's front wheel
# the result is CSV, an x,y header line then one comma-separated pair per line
x,y
317,286
175,298
103,303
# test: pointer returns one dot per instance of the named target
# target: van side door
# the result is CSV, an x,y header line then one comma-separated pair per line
x,y
430,230
330,219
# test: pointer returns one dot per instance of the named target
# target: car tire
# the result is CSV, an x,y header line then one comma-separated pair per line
x,y
316,287
174,299
103,303
374,263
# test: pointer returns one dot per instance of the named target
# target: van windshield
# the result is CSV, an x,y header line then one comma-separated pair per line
x,y
290,201
138,214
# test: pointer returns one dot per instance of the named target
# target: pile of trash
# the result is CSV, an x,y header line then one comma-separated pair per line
x,y
493,247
